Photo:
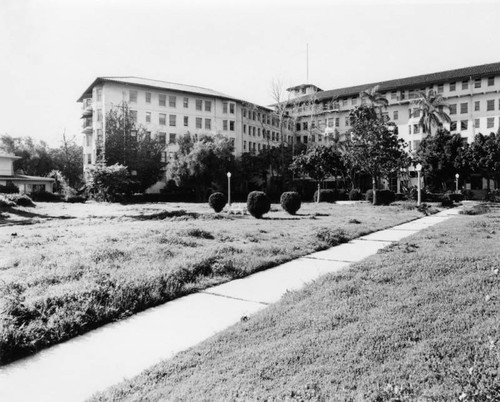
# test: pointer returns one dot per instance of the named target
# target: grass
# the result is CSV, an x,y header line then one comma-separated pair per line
x,y
75,267
417,322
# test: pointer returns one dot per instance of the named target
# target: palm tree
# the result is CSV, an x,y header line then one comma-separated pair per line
x,y
374,99
431,106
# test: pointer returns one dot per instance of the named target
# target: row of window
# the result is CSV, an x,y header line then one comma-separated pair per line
x,y
454,125
329,122
172,138
256,131
415,113
464,107
464,124
163,99
172,120
262,117
412,94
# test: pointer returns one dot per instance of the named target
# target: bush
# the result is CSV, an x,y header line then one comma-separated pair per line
x,y
6,203
385,197
45,196
446,202
21,200
456,197
258,204
331,236
369,195
75,199
476,210
217,201
326,195
10,188
109,183
355,195
492,196
290,202
341,194
413,194
468,194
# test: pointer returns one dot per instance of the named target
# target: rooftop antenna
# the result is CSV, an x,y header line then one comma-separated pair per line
x,y
307,63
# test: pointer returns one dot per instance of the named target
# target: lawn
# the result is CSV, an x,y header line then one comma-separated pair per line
x,y
68,268
419,321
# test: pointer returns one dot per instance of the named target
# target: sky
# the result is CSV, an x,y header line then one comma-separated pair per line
x,y
52,50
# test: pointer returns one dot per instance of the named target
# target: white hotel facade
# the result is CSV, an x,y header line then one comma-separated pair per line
x,y
473,94
169,110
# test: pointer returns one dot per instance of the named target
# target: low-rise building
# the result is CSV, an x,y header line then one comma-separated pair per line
x,y
26,184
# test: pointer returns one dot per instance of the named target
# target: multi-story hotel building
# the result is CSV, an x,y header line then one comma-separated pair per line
x,y
169,110
472,94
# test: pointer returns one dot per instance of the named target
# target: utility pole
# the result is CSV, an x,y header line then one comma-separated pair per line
x,y
124,133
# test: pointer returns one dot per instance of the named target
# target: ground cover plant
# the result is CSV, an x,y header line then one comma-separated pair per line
x,y
417,322
77,266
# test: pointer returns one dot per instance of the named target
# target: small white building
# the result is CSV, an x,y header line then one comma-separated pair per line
x,y
26,184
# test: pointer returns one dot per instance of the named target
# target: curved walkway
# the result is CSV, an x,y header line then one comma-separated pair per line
x,y
76,369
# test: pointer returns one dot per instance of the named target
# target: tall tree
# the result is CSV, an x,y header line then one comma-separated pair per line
x,y
484,156
35,155
442,156
68,159
203,165
374,99
432,113
318,162
374,147
132,146
283,105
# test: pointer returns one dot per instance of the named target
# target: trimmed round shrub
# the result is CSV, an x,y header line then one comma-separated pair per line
x,y
355,195
290,202
326,195
258,204
217,201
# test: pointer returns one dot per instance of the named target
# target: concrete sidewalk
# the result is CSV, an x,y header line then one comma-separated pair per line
x,y
74,370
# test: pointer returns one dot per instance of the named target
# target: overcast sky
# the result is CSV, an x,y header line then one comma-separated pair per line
x,y
52,50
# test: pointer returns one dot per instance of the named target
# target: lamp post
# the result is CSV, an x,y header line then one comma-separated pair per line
x,y
419,195
456,182
229,188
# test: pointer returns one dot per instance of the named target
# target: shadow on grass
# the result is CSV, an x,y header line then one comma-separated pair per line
x,y
164,215
30,217
280,219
